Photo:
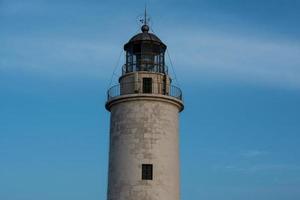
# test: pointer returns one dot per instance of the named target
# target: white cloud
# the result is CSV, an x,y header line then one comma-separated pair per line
x,y
196,53
241,58
52,56
259,168
253,153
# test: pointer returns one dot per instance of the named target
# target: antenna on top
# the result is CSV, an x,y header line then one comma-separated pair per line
x,y
145,15
144,19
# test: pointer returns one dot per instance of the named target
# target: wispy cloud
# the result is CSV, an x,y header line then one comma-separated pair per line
x,y
237,57
254,153
57,55
259,168
253,161
196,51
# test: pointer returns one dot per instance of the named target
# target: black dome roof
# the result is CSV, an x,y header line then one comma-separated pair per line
x,y
145,36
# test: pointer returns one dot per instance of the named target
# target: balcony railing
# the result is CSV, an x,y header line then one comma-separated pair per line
x,y
139,88
143,67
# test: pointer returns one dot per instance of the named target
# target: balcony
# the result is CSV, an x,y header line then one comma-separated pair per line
x,y
142,88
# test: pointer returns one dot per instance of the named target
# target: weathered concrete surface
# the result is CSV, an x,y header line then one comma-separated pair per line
x,y
143,131
133,82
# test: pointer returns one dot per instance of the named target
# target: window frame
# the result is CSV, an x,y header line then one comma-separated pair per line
x,y
147,85
147,171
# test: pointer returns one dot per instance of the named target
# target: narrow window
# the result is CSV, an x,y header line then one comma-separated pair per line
x,y
147,172
147,85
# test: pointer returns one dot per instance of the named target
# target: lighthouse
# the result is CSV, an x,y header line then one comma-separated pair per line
x,y
144,130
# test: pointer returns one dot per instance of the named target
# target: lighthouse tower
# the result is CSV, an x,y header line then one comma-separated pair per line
x,y
145,106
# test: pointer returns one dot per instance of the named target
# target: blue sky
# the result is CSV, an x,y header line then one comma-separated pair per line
x,y
237,63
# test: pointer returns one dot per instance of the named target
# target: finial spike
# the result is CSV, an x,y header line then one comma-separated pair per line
x,y
145,27
145,16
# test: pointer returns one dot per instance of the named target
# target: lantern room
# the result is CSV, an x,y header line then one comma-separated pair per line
x,y
145,52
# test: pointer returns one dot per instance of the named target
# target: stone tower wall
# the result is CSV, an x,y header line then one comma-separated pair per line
x,y
144,130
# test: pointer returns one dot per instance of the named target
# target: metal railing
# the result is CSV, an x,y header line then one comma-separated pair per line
x,y
149,68
139,88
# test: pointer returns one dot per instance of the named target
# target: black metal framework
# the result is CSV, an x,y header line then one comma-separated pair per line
x,y
154,68
147,172
147,61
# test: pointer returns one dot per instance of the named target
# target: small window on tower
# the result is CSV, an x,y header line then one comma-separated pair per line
x,y
147,172
147,85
